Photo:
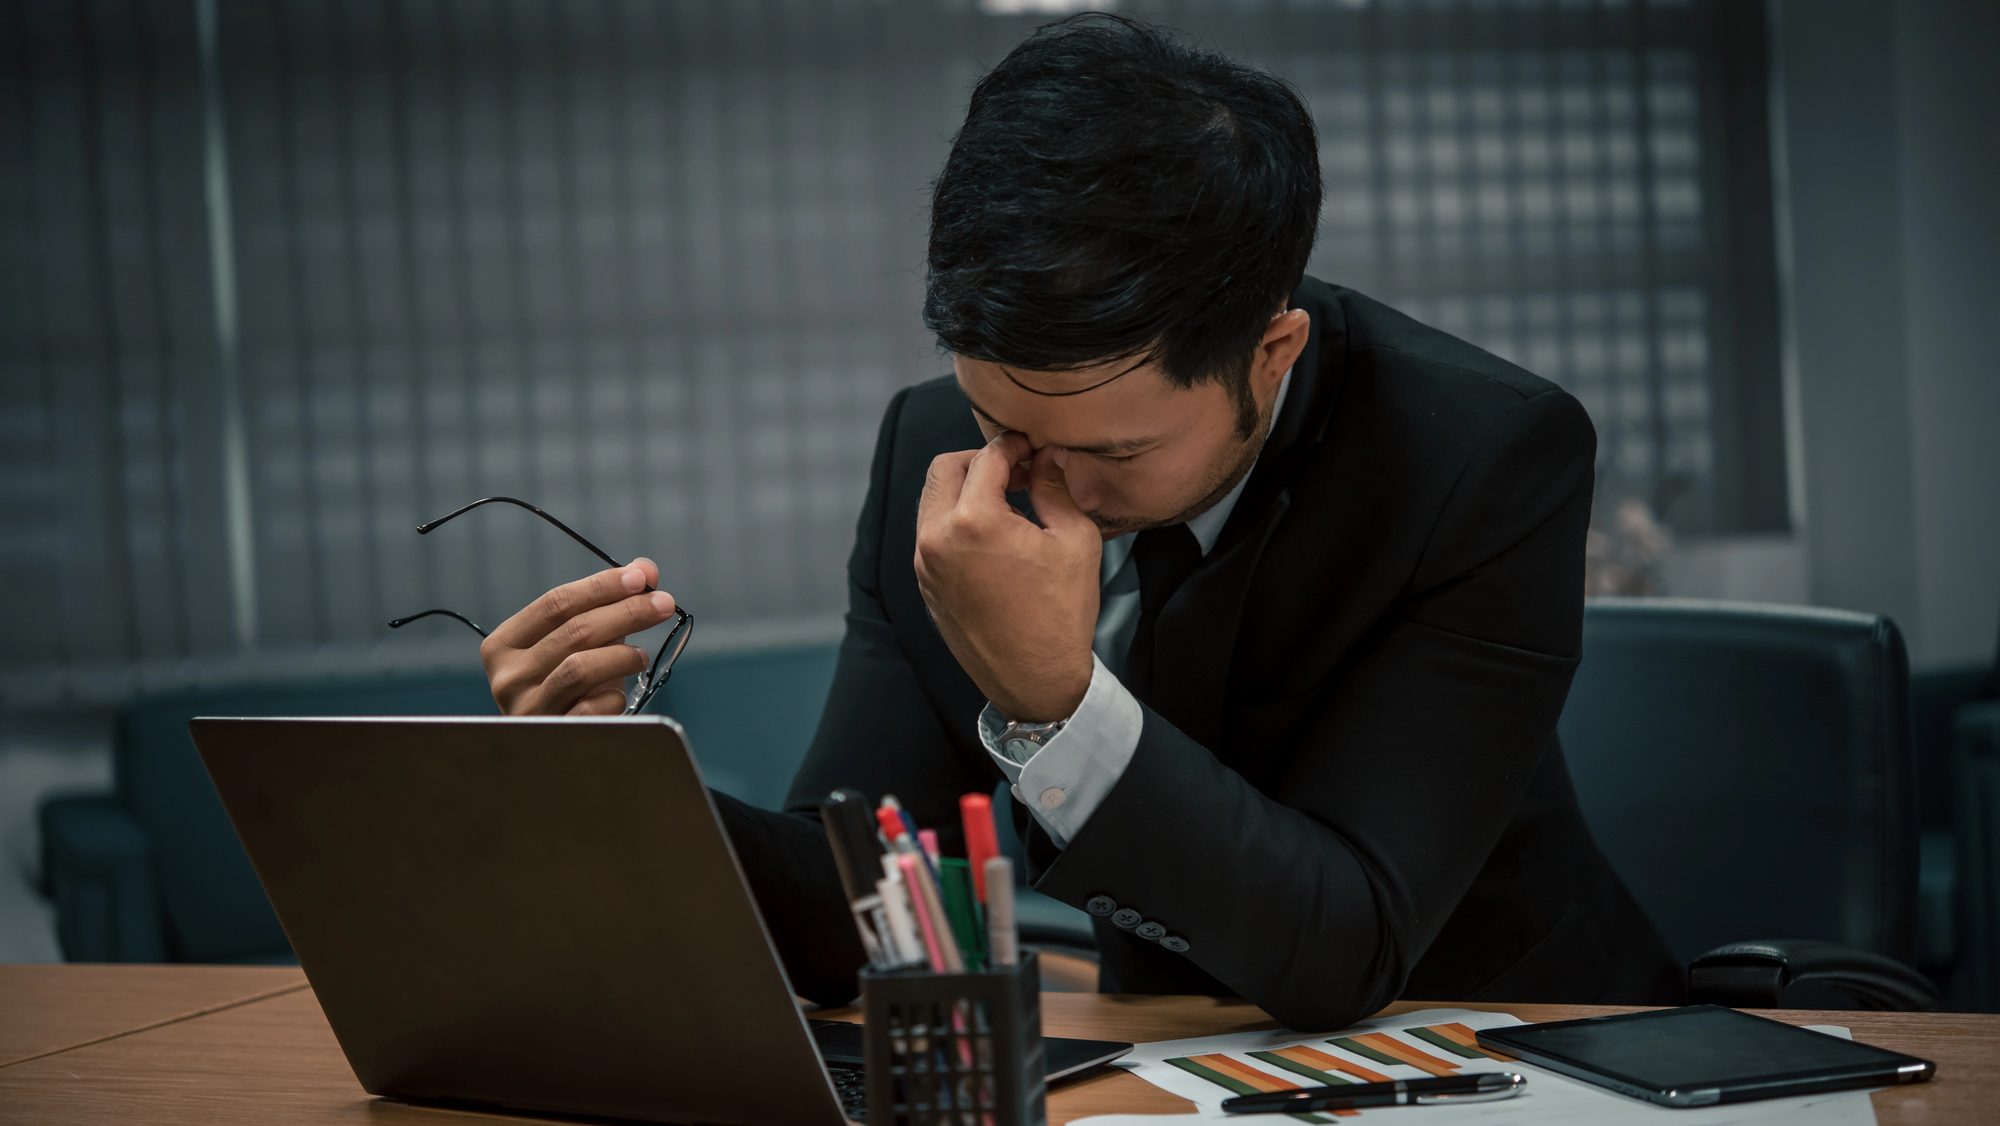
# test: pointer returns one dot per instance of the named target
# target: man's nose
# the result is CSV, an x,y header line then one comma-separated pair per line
x,y
1083,483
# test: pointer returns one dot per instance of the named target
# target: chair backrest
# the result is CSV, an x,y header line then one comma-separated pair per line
x,y
1747,769
750,715
215,909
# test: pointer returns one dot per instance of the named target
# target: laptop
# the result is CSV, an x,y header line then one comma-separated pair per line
x,y
533,914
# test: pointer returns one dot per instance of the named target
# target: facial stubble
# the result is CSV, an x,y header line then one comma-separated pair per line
x,y
1247,453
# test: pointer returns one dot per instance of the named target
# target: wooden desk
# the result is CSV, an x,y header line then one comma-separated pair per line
x,y
47,1009
272,1058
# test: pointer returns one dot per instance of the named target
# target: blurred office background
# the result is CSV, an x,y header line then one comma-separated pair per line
x,y
283,278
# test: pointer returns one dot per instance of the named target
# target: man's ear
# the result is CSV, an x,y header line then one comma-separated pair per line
x,y
1284,338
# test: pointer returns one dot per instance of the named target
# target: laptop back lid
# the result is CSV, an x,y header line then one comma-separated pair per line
x,y
531,913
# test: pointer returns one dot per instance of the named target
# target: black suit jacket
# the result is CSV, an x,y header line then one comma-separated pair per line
x,y
1347,788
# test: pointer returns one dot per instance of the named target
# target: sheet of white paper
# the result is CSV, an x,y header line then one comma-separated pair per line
x,y
1206,1063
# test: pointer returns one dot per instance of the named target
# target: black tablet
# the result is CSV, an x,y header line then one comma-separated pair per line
x,y
1702,1055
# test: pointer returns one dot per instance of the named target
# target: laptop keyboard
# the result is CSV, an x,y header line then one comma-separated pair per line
x,y
851,1084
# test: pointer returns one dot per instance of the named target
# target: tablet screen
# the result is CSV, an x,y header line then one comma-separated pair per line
x,y
1700,1046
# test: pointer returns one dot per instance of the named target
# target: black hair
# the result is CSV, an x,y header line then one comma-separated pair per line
x,y
1117,194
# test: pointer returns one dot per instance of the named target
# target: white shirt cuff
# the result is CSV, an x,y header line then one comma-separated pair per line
x,y
1066,779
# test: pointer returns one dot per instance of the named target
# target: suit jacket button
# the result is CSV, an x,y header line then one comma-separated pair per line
x,y
1125,918
1175,943
1151,930
1101,905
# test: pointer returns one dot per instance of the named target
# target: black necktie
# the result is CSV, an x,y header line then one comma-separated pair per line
x,y
1164,557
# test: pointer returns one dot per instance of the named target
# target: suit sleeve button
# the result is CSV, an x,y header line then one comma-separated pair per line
x,y
1101,905
1125,918
1175,943
1151,930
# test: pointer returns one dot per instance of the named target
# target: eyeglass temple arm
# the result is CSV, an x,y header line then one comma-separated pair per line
x,y
399,623
427,527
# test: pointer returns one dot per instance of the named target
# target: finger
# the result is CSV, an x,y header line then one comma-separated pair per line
x,y
1017,477
1048,490
615,684
557,606
986,479
943,482
594,629
651,569
584,673
603,701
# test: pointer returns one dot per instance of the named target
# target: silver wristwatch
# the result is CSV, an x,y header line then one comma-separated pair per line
x,y
1020,740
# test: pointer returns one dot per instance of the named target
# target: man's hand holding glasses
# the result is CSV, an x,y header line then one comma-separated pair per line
x,y
565,652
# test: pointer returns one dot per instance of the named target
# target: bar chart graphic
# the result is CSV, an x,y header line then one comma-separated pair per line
x,y
1372,1057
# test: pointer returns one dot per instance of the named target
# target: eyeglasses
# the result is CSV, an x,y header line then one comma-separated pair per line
x,y
649,682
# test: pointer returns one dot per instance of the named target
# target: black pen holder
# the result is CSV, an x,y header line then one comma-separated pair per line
x,y
963,1049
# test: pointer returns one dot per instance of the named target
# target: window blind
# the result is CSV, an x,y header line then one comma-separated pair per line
x,y
656,268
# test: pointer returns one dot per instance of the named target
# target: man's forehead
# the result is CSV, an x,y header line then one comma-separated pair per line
x,y
1075,381
1114,417
1063,384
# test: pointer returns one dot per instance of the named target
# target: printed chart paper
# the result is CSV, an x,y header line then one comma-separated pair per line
x,y
1415,1045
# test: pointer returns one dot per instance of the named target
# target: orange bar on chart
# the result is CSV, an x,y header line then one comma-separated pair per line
x,y
1244,1073
1390,1046
1459,1034
1311,1056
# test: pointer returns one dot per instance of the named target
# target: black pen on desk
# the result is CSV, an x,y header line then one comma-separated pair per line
x,y
1449,1090
850,829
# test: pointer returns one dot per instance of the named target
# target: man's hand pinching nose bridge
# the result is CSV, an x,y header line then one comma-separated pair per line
x,y
1015,601
1019,469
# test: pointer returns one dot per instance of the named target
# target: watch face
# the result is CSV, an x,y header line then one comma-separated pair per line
x,y
1021,740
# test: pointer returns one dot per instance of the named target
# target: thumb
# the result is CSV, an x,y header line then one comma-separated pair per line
x,y
1048,489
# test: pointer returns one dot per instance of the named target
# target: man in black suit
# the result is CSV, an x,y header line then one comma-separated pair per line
x,y
1263,597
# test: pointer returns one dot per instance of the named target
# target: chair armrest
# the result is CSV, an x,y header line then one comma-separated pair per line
x,y
1752,975
1048,923
1975,780
97,864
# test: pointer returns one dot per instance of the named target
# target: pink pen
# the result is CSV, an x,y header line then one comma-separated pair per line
x,y
912,879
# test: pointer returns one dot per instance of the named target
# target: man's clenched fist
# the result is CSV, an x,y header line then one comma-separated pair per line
x,y
1016,602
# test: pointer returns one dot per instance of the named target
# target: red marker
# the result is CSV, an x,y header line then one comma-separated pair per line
x,y
981,844
892,825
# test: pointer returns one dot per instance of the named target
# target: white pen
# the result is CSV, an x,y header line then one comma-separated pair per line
x,y
902,928
1003,942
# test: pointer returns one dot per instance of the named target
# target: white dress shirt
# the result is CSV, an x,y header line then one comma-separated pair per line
x,y
1063,781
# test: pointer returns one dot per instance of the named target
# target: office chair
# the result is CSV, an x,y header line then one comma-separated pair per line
x,y
1748,771
1955,707
1974,779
